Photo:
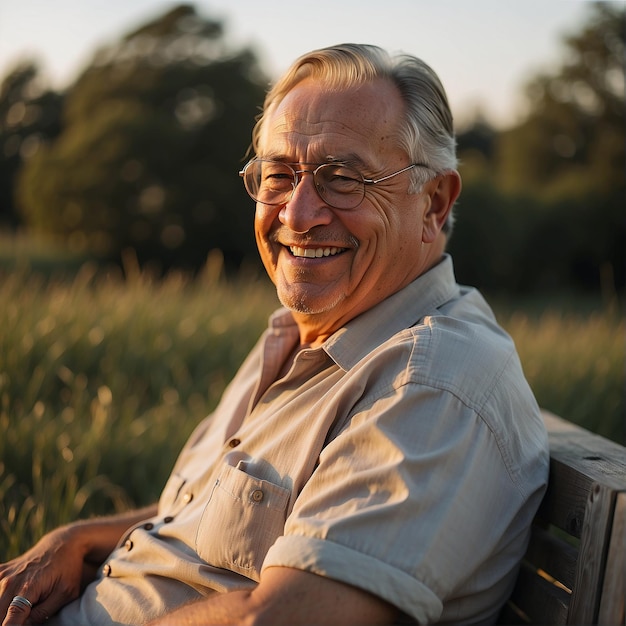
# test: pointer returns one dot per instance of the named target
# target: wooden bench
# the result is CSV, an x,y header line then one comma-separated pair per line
x,y
575,567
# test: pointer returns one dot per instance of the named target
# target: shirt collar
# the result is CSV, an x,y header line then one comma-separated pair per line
x,y
401,310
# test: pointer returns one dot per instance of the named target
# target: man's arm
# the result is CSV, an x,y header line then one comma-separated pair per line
x,y
55,570
287,597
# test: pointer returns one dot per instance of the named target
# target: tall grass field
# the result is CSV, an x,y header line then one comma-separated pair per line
x,y
103,378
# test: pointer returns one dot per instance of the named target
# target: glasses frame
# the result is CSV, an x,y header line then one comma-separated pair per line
x,y
296,180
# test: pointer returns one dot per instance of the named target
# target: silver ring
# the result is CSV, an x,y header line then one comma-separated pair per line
x,y
21,601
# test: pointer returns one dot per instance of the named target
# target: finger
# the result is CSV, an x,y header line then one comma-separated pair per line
x,y
41,612
18,611
48,606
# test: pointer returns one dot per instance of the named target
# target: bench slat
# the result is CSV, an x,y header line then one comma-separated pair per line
x,y
539,599
594,545
578,538
578,460
614,590
566,498
595,458
552,554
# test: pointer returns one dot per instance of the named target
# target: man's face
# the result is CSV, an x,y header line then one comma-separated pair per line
x,y
364,254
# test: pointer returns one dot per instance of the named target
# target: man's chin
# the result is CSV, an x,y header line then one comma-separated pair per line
x,y
307,304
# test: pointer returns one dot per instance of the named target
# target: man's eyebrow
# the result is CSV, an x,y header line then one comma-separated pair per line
x,y
349,159
273,156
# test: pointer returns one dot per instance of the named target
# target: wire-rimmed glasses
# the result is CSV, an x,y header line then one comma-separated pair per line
x,y
339,185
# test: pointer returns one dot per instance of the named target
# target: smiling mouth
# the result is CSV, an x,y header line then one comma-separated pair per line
x,y
314,253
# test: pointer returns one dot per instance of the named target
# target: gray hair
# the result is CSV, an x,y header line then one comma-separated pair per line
x,y
427,134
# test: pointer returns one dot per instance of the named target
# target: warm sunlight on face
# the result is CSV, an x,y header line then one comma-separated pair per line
x,y
329,264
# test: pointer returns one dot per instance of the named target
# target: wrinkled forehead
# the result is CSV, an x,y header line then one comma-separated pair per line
x,y
366,116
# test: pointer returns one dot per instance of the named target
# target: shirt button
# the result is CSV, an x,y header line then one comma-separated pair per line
x,y
233,443
148,526
128,544
256,495
106,570
187,497
168,519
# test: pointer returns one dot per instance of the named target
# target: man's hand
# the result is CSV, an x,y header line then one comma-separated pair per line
x,y
49,576
59,566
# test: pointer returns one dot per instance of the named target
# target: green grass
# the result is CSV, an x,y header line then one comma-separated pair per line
x,y
102,380
575,364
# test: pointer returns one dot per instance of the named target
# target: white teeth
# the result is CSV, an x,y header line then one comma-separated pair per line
x,y
313,253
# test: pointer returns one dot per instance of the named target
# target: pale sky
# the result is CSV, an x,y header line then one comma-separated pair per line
x,y
483,50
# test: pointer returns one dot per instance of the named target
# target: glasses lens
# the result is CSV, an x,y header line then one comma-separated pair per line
x,y
273,183
269,182
339,185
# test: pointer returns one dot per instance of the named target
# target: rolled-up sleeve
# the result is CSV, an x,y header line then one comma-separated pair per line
x,y
410,502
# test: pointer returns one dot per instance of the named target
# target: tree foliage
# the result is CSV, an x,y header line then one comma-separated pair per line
x,y
142,152
545,198
30,115
154,133
573,137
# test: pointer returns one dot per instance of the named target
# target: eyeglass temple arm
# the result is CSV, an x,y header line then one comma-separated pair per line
x,y
372,181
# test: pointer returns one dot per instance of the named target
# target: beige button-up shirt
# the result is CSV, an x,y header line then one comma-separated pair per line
x,y
406,456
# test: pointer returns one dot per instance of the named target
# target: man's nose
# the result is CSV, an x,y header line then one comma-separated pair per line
x,y
305,209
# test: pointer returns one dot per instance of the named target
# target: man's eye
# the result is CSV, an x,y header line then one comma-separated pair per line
x,y
275,175
277,178
343,179
276,170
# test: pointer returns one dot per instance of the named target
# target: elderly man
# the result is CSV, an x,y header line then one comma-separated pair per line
x,y
379,456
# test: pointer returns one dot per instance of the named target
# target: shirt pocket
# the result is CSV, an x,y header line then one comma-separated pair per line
x,y
243,518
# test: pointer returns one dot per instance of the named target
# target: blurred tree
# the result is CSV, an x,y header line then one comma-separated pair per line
x,y
573,137
554,184
475,149
155,131
30,115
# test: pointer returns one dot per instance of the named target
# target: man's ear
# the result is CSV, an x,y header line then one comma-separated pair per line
x,y
443,192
